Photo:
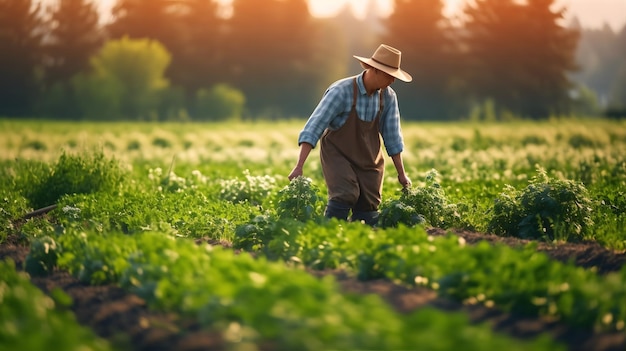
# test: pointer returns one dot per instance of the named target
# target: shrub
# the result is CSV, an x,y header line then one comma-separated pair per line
x,y
220,103
42,257
12,205
579,141
547,208
299,200
252,235
75,174
37,145
162,142
274,238
396,212
430,202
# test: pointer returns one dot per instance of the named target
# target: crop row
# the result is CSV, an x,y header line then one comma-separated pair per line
x,y
253,301
521,280
30,320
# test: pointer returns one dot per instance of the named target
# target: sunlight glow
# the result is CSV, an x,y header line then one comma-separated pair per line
x,y
592,13
327,8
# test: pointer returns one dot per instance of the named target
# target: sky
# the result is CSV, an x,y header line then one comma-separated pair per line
x,y
591,13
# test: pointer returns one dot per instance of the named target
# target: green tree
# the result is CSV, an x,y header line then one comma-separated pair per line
x,y
202,58
220,103
520,55
419,29
98,97
596,57
132,74
152,19
21,48
73,38
269,55
617,98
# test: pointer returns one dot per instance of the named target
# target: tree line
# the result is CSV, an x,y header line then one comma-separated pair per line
x,y
189,60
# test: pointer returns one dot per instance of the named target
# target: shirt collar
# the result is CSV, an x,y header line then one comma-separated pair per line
x,y
360,84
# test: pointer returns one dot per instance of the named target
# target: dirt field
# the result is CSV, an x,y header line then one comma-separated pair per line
x,y
125,320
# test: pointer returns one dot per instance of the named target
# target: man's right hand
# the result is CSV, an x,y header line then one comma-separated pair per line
x,y
295,173
305,149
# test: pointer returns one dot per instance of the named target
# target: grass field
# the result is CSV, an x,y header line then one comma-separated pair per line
x,y
155,209
474,161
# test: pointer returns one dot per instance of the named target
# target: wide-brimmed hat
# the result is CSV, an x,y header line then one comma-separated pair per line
x,y
387,59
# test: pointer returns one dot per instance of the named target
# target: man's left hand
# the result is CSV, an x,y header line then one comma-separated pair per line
x,y
404,180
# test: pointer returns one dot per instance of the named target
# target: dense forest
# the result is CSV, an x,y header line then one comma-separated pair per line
x,y
270,59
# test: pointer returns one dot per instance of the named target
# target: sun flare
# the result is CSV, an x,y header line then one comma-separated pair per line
x,y
591,13
325,8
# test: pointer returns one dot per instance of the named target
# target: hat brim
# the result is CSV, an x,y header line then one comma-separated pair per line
x,y
394,72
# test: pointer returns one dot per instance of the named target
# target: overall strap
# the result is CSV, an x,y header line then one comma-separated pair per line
x,y
354,93
381,104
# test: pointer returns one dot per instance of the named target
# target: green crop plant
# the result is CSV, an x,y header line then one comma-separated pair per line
x,y
254,189
75,174
42,257
31,320
12,205
254,302
428,202
300,200
520,279
395,212
548,208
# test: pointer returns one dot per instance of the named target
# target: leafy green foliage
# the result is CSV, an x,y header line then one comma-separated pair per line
x,y
220,103
98,96
252,235
42,257
254,189
547,208
429,201
300,200
137,67
95,227
75,174
12,206
92,258
256,302
520,280
34,321
275,238
609,218
396,212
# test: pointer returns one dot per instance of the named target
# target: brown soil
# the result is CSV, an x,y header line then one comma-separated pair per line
x,y
125,320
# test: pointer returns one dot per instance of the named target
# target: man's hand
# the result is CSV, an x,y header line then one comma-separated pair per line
x,y
305,149
295,173
404,180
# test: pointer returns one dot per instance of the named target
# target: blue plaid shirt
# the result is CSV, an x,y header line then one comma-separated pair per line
x,y
334,108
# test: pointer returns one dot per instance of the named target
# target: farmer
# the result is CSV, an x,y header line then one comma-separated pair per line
x,y
349,120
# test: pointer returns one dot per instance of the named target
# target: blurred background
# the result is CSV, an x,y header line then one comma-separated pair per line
x,y
214,60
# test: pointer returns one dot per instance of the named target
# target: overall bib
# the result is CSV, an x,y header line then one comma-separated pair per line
x,y
353,166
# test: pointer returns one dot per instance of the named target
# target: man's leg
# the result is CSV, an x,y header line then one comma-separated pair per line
x,y
369,217
370,190
336,209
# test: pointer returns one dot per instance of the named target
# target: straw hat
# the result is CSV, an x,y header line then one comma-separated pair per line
x,y
387,59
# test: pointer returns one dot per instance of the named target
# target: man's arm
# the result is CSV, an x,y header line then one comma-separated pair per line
x,y
402,177
305,150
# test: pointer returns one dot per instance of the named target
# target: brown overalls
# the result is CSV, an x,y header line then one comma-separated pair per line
x,y
352,161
